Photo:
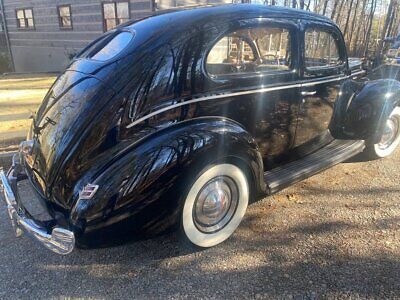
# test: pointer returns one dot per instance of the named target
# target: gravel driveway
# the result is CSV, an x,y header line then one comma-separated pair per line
x,y
335,235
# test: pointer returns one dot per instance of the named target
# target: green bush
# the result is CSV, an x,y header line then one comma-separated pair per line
x,y
4,63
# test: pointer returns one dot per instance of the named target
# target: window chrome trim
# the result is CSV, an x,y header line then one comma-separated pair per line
x,y
241,93
317,82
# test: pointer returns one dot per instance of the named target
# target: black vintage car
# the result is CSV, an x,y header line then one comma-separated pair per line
x,y
179,120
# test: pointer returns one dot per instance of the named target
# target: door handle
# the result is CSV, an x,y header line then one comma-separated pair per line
x,y
308,93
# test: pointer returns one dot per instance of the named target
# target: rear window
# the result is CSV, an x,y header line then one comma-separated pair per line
x,y
321,49
108,47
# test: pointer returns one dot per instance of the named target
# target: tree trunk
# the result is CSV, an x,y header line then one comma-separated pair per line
x,y
388,21
308,5
370,21
325,6
360,25
316,3
395,27
346,27
354,22
334,9
393,18
340,11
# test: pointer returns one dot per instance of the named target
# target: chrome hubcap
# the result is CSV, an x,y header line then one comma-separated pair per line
x,y
390,133
215,204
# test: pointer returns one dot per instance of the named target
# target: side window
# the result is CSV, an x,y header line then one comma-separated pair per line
x,y
321,49
264,49
25,18
64,16
115,13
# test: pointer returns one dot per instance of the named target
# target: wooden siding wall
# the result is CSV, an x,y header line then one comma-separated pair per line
x,y
49,48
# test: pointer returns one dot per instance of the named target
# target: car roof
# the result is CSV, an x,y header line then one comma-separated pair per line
x,y
225,12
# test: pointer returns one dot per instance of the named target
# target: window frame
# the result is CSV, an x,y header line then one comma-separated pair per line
x,y
116,13
61,27
321,71
27,27
254,24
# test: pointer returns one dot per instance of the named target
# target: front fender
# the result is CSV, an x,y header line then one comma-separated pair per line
x,y
362,109
141,190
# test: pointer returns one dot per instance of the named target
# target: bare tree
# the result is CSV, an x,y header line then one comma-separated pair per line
x,y
325,7
364,23
335,5
346,27
353,47
388,21
368,33
353,23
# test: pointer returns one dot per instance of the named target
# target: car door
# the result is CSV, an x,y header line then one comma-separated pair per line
x,y
257,62
324,69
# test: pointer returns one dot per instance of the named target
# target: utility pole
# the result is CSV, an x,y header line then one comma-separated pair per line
x,y
3,17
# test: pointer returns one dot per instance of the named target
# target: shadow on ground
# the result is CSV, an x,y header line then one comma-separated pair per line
x,y
281,263
335,235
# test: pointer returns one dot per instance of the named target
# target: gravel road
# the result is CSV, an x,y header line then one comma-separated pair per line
x,y
335,235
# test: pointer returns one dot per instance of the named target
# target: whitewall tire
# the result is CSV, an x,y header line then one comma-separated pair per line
x,y
215,205
390,138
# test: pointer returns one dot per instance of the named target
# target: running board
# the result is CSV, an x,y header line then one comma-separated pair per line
x,y
334,153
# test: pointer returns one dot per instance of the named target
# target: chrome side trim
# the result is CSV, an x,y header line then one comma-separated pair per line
x,y
60,241
362,72
317,82
201,99
248,92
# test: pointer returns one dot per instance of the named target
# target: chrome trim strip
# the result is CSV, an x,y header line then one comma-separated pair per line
x,y
60,241
201,99
358,73
262,90
317,82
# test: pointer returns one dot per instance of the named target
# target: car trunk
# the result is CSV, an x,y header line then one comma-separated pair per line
x,y
67,114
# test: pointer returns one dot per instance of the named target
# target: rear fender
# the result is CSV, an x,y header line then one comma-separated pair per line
x,y
143,187
362,109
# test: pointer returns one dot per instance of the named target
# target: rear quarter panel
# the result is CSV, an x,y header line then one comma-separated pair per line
x,y
141,191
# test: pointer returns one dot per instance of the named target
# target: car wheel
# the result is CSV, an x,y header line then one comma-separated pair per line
x,y
390,138
215,205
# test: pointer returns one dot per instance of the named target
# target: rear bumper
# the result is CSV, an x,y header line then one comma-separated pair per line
x,y
57,239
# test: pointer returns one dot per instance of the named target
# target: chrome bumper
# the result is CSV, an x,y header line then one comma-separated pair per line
x,y
60,241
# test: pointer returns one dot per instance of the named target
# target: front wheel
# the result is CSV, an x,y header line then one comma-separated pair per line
x,y
390,138
215,205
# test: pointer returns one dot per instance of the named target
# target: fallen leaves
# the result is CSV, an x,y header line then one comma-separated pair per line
x,y
294,198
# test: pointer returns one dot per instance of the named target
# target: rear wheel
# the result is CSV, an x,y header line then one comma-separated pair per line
x,y
215,205
390,138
